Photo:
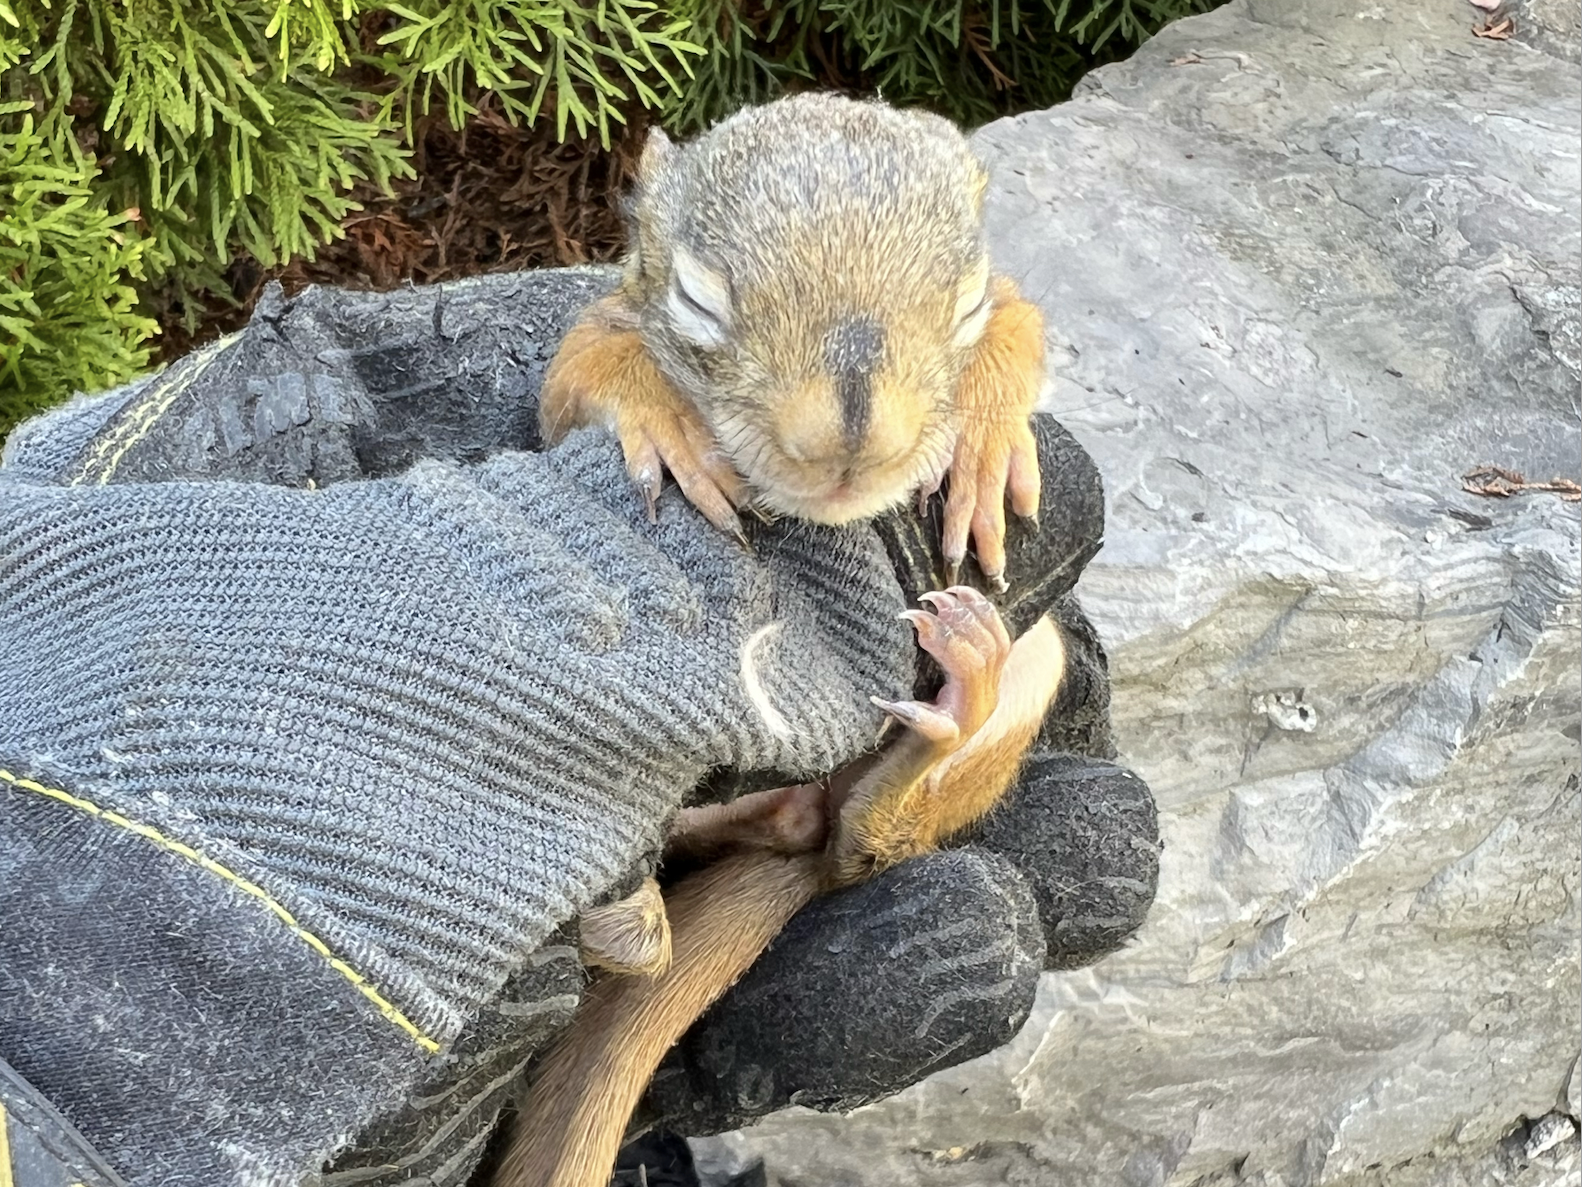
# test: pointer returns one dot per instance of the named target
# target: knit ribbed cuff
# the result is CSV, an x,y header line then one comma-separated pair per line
x,y
435,716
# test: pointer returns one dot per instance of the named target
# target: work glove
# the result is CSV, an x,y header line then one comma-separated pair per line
x,y
329,700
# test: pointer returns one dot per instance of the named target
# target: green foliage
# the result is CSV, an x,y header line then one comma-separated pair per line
x,y
972,60
235,128
224,141
146,144
597,59
67,316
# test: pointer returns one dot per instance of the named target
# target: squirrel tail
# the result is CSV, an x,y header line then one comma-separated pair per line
x,y
571,1126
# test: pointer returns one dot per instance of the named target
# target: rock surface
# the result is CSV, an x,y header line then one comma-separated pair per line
x,y
1305,263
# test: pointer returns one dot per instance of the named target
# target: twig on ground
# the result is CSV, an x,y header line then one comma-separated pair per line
x,y
1496,482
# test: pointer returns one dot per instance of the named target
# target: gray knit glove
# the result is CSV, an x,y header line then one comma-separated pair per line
x,y
327,701
370,742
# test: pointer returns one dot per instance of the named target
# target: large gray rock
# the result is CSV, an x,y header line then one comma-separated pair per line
x,y
1306,263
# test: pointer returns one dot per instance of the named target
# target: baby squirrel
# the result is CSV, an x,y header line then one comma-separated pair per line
x,y
806,326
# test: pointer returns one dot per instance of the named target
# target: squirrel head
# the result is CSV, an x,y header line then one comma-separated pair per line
x,y
811,274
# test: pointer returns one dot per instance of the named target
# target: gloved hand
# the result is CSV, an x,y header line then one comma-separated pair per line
x,y
313,750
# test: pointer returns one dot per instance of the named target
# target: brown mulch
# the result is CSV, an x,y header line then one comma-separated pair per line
x,y
490,197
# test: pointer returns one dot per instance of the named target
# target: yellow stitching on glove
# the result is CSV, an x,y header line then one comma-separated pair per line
x,y
105,456
5,1151
258,892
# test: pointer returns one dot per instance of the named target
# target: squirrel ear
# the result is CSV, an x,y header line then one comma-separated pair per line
x,y
978,187
699,300
656,152
973,305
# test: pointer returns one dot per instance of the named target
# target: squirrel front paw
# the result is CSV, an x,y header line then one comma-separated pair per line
x,y
664,432
994,457
603,375
996,453
968,640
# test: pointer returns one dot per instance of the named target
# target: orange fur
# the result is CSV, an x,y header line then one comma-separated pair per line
x,y
721,918
971,781
912,797
943,397
782,820
996,453
602,375
631,935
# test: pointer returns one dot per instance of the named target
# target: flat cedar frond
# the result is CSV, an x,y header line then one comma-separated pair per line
x,y
310,31
68,317
594,61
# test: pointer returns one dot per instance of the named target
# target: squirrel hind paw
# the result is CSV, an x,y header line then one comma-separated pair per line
x,y
966,637
629,936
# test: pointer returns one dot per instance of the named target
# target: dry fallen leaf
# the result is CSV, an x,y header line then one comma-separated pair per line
x,y
1499,32
1496,482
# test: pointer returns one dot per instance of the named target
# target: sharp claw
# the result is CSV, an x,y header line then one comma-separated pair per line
x,y
931,630
998,581
923,719
965,593
940,599
952,571
651,498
